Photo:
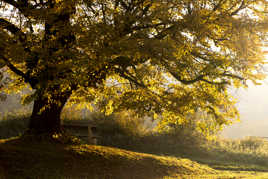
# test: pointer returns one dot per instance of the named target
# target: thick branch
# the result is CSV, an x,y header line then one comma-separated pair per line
x,y
18,72
21,37
131,79
14,69
201,78
147,26
233,76
11,2
242,6
215,83
187,82
196,79
177,77
12,28
22,5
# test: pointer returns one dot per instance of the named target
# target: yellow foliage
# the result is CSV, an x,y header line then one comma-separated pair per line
x,y
165,59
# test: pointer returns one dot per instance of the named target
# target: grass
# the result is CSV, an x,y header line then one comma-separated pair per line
x,y
129,151
26,158
34,159
13,125
248,154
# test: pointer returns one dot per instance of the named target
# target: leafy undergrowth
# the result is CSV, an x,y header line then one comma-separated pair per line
x,y
34,159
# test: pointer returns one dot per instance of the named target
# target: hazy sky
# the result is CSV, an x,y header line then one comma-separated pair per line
x,y
253,108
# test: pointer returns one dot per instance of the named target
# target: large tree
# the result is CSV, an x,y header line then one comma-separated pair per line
x,y
164,58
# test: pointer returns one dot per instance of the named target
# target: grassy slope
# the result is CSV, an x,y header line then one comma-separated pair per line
x,y
20,159
31,159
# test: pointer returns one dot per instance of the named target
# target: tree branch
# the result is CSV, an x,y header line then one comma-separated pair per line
x,y
14,69
131,79
242,6
147,26
11,2
18,72
187,82
21,37
13,29
22,5
201,78
233,76
215,83
198,78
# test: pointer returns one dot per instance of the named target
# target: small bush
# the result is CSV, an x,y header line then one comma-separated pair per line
x,y
180,141
245,145
118,130
253,143
124,130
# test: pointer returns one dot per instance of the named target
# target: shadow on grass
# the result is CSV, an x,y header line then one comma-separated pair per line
x,y
22,158
234,161
176,145
216,157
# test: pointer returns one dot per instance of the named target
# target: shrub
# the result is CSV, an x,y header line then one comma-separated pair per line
x,y
245,145
124,130
252,143
118,130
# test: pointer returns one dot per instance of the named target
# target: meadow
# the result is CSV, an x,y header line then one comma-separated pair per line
x,y
128,149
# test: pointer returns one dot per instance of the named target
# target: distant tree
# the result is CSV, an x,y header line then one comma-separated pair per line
x,y
165,58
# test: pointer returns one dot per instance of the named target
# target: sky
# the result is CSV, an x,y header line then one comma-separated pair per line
x,y
253,107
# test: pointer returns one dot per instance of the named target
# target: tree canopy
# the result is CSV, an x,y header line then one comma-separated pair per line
x,y
167,59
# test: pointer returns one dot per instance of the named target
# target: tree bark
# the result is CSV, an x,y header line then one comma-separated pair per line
x,y
51,98
46,112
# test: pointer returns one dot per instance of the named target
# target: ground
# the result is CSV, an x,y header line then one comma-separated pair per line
x,y
24,158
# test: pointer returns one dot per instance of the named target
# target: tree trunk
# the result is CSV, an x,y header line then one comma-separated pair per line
x,y
51,98
46,112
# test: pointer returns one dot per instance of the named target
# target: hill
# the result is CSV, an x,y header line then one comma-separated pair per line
x,y
34,159
27,158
